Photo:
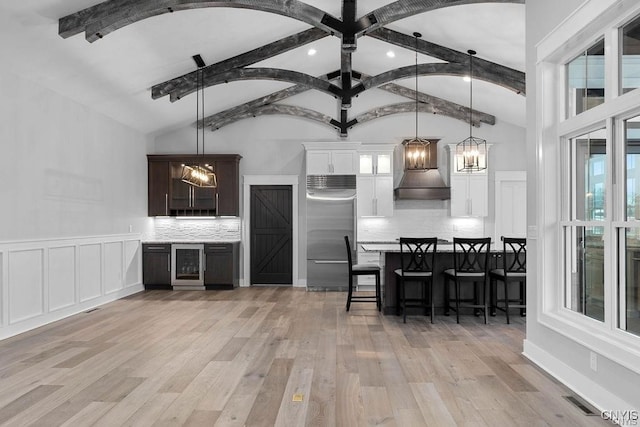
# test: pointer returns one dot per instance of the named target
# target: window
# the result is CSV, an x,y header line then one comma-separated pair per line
x,y
585,80
629,287
584,244
587,203
630,66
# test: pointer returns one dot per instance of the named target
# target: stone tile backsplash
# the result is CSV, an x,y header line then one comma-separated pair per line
x,y
171,229
418,223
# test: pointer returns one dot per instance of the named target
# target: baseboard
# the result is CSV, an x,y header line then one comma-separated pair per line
x,y
54,316
580,384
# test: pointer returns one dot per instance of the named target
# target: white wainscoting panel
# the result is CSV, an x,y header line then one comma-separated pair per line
x,y
113,258
62,277
26,284
42,281
90,271
3,297
132,262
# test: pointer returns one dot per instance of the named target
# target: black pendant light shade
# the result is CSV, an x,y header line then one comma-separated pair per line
x,y
199,174
417,150
471,154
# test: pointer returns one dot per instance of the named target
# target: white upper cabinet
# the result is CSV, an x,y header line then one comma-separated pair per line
x,y
375,163
332,158
469,190
375,180
469,195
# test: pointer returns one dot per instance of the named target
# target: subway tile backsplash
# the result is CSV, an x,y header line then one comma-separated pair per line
x,y
416,222
171,229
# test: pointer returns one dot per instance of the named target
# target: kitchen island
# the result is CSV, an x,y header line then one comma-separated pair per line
x,y
390,261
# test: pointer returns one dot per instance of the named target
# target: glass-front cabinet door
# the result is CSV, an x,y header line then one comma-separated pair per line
x,y
187,267
185,198
375,163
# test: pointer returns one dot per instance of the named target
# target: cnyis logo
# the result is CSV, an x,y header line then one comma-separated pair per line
x,y
622,418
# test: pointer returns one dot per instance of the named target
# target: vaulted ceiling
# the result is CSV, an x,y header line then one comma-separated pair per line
x,y
135,62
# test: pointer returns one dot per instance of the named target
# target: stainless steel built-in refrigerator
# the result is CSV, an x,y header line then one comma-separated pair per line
x,y
330,217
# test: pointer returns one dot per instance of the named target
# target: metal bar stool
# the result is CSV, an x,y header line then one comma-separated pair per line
x,y
417,264
514,259
362,270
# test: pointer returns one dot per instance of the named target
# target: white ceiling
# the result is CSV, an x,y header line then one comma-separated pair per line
x,y
114,75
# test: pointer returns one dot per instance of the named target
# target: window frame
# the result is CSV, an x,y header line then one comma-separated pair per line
x,y
591,23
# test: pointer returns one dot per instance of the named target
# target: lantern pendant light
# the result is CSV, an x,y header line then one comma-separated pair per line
x,y
471,154
417,150
199,173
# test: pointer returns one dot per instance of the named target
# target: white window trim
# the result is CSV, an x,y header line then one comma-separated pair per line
x,y
592,21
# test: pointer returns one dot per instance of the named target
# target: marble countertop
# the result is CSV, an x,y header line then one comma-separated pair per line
x,y
395,247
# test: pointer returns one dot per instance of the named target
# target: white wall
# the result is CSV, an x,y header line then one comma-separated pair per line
x,y
272,145
65,170
73,186
612,387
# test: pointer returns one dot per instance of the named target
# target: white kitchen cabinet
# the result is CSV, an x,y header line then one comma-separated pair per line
x,y
375,180
375,195
469,190
375,163
469,195
331,162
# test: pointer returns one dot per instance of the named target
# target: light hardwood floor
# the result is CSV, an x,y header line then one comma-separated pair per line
x,y
273,356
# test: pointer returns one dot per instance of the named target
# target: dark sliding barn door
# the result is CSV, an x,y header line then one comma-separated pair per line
x,y
271,235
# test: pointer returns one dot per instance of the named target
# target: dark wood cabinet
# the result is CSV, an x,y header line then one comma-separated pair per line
x,y
221,265
228,187
158,188
185,197
169,195
156,266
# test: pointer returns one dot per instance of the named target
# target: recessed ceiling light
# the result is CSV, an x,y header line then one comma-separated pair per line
x,y
311,52
466,79
391,54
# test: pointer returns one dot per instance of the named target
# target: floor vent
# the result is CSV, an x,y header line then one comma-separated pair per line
x,y
92,310
582,405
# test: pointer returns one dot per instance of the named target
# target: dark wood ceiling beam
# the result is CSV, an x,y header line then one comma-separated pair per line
x,y
405,8
103,18
268,74
348,25
387,110
438,105
227,116
441,69
446,54
441,106
282,109
345,74
187,83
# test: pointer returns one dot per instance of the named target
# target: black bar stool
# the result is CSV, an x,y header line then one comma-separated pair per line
x,y
470,265
362,270
417,264
514,259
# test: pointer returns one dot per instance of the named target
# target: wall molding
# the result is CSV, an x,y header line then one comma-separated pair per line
x,y
45,280
582,385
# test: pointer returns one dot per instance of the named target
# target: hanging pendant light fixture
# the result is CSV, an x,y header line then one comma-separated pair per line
x,y
471,154
199,173
417,150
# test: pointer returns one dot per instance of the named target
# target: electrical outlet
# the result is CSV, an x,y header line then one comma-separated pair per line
x,y
130,228
593,361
